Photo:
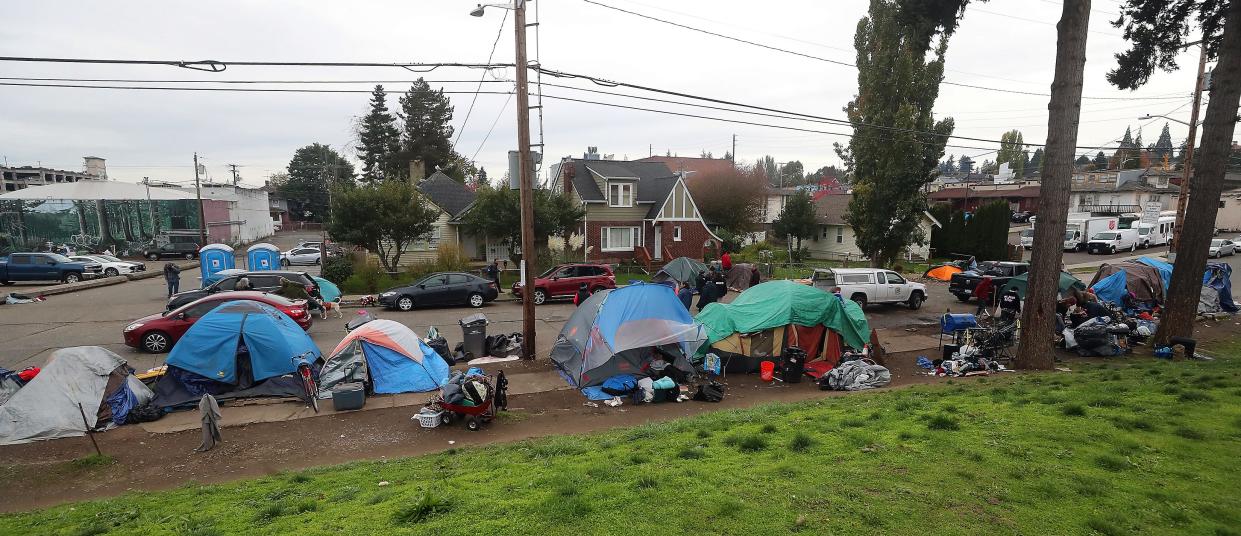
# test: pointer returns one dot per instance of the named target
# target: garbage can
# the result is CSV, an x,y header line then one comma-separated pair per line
x,y
794,364
474,335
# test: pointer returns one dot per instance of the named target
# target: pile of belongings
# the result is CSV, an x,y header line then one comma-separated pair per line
x,y
470,388
17,299
855,375
1216,294
500,345
1099,336
966,361
659,382
79,389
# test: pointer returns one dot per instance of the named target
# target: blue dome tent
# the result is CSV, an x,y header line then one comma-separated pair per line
x,y
240,349
262,256
620,331
213,258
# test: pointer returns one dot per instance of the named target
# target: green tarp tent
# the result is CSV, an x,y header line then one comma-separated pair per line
x,y
1067,281
681,270
780,303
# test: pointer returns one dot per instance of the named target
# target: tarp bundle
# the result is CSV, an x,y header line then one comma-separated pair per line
x,y
1066,284
681,270
82,380
1143,280
327,289
621,330
390,355
1112,289
781,303
739,276
1218,277
208,356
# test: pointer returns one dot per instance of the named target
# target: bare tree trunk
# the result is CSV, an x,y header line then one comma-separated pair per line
x,y
105,227
1038,321
1194,237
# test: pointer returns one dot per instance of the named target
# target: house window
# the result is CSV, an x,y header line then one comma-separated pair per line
x,y
618,238
676,233
1154,197
840,235
620,194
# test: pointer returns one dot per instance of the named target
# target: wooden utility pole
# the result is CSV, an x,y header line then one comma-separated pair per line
x,y
733,154
1065,107
525,183
234,169
202,218
1183,198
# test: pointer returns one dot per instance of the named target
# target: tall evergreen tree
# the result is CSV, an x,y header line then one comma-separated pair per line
x,y
1036,160
1100,161
427,134
897,87
1163,146
965,164
1157,31
1082,160
379,141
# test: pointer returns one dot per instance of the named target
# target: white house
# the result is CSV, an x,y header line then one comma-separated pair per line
x,y
835,240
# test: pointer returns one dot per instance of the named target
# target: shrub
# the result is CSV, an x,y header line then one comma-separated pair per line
x,y
338,269
366,279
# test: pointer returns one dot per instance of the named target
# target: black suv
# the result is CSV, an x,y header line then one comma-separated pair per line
x,y
180,250
264,281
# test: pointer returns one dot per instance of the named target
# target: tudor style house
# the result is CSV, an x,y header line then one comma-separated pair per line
x,y
634,210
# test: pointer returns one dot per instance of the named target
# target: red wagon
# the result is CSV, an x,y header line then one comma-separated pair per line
x,y
475,416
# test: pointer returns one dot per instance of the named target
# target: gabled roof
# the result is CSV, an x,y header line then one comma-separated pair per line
x,y
451,196
960,193
831,210
644,172
655,191
691,165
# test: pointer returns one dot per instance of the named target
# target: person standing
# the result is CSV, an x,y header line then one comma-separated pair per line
x,y
172,276
707,293
1010,305
983,291
726,261
493,272
686,295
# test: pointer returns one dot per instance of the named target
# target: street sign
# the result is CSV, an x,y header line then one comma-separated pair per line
x,y
1150,212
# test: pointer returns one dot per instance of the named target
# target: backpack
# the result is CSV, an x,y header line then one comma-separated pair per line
x,y
711,391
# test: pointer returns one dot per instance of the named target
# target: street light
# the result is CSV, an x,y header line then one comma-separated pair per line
x,y
1149,116
525,180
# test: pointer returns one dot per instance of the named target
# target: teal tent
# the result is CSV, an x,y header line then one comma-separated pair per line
x,y
680,269
327,289
1067,282
781,303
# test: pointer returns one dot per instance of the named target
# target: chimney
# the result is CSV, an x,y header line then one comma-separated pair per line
x,y
568,171
417,171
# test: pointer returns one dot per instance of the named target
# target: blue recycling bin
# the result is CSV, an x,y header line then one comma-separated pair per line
x,y
213,258
262,256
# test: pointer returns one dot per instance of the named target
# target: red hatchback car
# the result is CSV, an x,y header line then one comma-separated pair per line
x,y
159,332
564,280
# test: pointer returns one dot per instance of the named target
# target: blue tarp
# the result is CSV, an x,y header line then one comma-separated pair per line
x,y
1112,289
392,372
209,348
1219,277
1165,270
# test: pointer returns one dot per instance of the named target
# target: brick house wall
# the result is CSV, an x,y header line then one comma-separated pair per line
x,y
693,235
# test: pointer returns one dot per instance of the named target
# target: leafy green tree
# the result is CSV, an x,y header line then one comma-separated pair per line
x,y
797,219
1157,31
314,170
383,217
379,141
965,164
897,87
1036,160
427,133
792,173
1012,151
732,199
563,215
1082,160
497,214
1100,161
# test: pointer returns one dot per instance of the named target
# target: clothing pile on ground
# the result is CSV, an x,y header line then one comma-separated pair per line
x,y
855,374
965,362
471,388
660,382
17,299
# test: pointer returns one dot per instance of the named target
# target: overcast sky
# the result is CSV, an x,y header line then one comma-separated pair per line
x,y
1007,44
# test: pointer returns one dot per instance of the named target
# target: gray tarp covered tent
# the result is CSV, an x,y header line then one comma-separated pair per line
x,y
738,277
48,406
681,270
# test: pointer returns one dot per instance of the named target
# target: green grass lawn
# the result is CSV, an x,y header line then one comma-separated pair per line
x,y
1131,447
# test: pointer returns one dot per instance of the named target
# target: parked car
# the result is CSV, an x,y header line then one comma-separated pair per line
x,y
1021,216
870,285
180,250
1222,248
1027,238
159,332
564,280
45,267
1112,241
112,266
443,288
265,281
300,255
962,285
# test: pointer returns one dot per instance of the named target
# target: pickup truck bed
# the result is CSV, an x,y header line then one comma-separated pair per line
x,y
45,267
962,285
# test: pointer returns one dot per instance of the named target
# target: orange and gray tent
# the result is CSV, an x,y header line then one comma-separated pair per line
x,y
389,355
942,272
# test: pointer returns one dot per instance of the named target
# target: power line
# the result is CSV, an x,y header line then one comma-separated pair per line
x,y
217,66
828,60
482,79
233,89
493,127
150,81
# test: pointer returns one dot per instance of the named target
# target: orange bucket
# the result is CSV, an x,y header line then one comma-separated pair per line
x,y
767,370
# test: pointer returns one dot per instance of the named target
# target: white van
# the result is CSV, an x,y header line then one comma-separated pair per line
x,y
1156,234
1027,238
1110,242
870,285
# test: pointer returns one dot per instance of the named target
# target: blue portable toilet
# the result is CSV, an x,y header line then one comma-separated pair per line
x,y
262,256
213,258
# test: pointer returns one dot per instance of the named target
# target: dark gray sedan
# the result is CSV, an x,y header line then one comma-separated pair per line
x,y
442,288
262,281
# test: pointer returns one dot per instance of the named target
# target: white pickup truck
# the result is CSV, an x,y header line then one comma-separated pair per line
x,y
870,285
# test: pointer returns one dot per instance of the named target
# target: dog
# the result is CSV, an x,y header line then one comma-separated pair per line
x,y
331,306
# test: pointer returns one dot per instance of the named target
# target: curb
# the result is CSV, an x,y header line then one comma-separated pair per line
x,y
66,288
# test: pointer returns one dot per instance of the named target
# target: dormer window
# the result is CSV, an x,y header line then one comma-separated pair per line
x,y
620,194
